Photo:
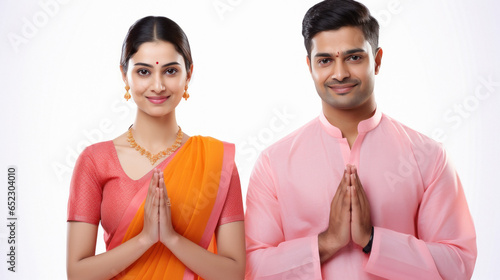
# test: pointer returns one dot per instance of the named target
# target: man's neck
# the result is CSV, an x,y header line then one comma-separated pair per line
x,y
347,120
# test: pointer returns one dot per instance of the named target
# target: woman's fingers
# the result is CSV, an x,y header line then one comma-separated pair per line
x,y
164,202
151,189
167,231
151,209
161,183
152,197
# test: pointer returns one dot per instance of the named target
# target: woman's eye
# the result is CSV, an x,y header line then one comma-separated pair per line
x,y
171,71
143,72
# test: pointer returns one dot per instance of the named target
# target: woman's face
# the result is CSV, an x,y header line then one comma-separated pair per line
x,y
157,78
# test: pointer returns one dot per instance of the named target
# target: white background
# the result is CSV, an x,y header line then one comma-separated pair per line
x,y
61,90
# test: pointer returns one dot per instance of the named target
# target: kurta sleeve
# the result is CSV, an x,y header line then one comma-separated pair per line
x,y
269,255
85,195
445,246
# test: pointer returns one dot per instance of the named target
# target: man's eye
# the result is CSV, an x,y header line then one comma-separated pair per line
x,y
324,61
354,57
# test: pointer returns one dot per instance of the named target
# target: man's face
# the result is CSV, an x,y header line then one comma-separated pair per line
x,y
343,67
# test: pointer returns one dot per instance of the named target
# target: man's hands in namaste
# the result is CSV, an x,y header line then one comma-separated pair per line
x,y
349,216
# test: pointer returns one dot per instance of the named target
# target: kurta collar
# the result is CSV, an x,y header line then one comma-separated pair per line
x,y
363,127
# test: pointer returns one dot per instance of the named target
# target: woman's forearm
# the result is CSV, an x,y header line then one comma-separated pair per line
x,y
204,263
110,263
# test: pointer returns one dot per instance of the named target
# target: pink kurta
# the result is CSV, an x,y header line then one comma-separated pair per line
x,y
423,228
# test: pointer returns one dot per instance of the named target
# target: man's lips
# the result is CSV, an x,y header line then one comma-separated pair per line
x,y
342,88
157,99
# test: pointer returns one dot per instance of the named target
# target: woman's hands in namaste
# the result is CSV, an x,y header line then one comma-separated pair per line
x,y
157,214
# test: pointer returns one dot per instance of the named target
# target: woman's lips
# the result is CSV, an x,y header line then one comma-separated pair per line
x,y
157,99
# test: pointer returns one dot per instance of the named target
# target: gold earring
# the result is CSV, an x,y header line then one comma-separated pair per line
x,y
185,95
127,95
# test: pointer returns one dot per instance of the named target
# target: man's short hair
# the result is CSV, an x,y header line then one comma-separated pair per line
x,y
334,14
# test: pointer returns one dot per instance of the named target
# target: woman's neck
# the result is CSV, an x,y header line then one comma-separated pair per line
x,y
155,133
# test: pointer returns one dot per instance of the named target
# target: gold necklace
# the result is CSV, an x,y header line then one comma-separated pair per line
x,y
164,153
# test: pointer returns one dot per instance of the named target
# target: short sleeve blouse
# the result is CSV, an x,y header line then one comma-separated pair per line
x,y
100,191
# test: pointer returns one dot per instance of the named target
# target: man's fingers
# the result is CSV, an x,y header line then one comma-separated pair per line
x,y
360,192
342,181
346,201
355,202
341,190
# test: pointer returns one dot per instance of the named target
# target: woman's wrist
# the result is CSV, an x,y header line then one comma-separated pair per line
x,y
171,240
144,240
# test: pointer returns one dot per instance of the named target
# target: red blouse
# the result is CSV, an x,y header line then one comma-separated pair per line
x,y
101,191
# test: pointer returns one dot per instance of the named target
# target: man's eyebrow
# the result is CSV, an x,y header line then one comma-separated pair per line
x,y
345,53
358,50
323,55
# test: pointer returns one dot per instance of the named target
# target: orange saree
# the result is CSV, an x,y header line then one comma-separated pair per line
x,y
197,180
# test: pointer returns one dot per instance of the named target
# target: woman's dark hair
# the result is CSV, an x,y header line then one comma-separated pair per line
x,y
151,29
334,14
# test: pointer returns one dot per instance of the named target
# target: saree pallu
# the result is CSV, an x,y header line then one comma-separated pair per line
x,y
197,179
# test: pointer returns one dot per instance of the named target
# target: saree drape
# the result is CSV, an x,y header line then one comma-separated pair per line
x,y
197,180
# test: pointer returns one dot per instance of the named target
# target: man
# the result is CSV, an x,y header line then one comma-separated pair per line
x,y
354,194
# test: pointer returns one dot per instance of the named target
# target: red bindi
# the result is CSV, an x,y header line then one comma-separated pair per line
x,y
157,62
338,53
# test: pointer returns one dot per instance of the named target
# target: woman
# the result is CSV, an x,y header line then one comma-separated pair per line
x,y
166,201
